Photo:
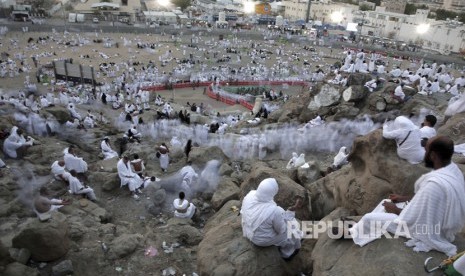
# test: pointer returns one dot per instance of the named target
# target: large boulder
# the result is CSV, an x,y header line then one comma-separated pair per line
x,y
224,251
321,192
288,189
293,108
344,111
328,96
60,113
47,241
358,79
181,230
454,128
199,156
376,172
124,245
308,173
343,257
227,190
355,93
16,269
5,257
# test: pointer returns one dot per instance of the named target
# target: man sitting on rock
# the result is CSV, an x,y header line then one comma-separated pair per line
x,y
433,216
59,171
73,162
77,188
182,207
264,223
44,206
128,177
407,137
15,145
427,129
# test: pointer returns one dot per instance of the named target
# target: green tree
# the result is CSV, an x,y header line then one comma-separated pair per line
x,y
443,14
365,7
410,9
377,2
183,4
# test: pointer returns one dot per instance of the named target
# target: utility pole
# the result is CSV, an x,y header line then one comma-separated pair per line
x,y
307,17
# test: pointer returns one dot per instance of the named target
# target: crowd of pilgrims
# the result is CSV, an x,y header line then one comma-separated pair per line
x,y
122,88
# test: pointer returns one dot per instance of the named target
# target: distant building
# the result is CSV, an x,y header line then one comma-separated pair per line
x,y
396,6
441,36
124,8
7,3
450,5
320,11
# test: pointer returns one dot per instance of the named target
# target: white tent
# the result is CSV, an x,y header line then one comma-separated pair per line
x,y
105,5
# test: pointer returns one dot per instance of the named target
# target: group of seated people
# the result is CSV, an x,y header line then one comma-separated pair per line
x,y
437,203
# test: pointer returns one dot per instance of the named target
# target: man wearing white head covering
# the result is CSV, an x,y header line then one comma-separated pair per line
x,y
107,151
340,159
15,142
73,112
407,137
291,163
73,162
188,177
264,223
59,171
433,216
128,177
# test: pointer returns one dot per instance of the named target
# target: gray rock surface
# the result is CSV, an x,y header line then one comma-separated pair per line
x,y
227,190
63,268
47,241
18,269
124,245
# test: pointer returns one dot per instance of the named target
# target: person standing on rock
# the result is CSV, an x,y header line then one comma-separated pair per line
x,y
433,216
264,223
164,157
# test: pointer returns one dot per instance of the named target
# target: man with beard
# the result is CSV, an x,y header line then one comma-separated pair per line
x,y
433,216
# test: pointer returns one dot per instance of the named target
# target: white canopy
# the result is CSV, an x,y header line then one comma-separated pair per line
x,y
105,5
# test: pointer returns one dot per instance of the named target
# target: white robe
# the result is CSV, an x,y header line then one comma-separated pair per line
x,y
264,223
427,132
164,160
58,171
107,152
76,187
183,209
456,106
433,217
411,149
127,176
341,158
14,142
73,162
291,163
